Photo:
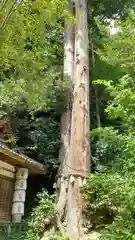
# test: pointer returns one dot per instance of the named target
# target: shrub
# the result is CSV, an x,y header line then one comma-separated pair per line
x,y
110,203
107,145
58,236
41,218
122,228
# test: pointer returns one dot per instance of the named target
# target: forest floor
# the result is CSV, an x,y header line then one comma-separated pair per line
x,y
94,235
91,236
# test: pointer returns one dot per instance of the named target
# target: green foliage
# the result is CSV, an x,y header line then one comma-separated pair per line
x,y
43,215
122,100
58,236
109,192
31,78
112,149
107,145
42,219
36,134
40,139
30,65
118,49
111,8
45,142
12,231
110,199
121,229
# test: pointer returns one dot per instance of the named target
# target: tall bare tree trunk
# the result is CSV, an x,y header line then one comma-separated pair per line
x,y
74,152
66,117
79,152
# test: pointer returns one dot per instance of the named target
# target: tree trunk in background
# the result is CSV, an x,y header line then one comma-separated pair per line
x,y
66,117
95,87
79,152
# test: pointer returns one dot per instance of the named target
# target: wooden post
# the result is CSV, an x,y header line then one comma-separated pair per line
x,y
19,194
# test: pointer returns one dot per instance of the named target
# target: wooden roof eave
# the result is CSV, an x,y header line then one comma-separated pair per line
x,y
24,161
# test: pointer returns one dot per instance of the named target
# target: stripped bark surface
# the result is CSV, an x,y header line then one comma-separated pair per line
x,y
80,108
79,152
74,152
66,117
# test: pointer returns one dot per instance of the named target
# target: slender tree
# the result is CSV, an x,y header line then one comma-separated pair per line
x,y
97,103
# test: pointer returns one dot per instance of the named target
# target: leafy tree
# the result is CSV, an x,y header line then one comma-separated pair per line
x,y
31,52
109,193
37,136
25,61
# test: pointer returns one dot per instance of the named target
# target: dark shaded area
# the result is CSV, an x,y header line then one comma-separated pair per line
x,y
35,185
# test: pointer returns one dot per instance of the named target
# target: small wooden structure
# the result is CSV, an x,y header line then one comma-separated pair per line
x,y
15,168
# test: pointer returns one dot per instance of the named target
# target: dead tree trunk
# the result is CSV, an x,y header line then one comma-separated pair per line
x,y
74,152
79,152
66,117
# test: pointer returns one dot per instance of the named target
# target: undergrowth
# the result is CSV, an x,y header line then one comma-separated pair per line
x,y
42,221
109,193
